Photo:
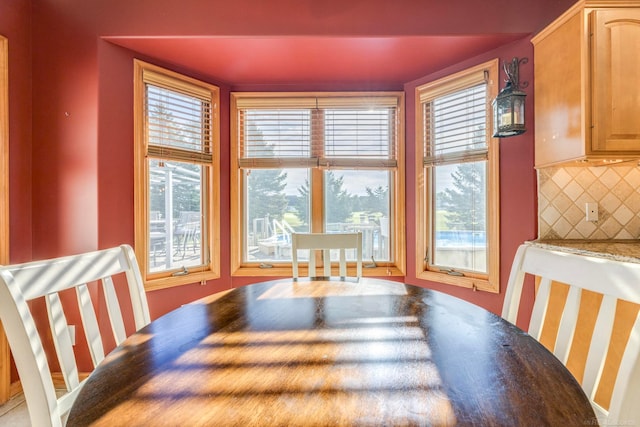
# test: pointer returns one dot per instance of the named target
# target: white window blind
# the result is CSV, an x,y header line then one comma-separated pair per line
x,y
455,126
275,137
178,125
328,132
360,138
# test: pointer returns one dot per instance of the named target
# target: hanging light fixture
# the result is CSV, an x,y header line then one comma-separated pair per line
x,y
508,107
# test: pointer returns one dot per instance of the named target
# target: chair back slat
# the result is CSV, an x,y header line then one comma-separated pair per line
x,y
62,341
567,325
113,310
514,290
539,308
599,346
616,281
626,394
326,267
22,335
90,324
325,242
22,283
137,293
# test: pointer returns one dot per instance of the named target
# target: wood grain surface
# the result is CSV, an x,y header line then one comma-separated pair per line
x,y
330,353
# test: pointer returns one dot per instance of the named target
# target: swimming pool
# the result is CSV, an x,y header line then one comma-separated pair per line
x,y
461,238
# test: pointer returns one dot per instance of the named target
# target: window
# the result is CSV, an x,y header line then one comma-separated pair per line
x,y
316,162
457,160
177,175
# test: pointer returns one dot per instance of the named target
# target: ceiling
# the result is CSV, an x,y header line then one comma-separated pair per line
x,y
346,44
375,62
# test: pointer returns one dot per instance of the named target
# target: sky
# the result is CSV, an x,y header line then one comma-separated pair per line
x,y
355,182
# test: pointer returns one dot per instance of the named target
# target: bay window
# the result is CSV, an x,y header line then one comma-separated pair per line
x,y
316,162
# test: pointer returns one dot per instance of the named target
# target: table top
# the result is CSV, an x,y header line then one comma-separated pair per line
x,y
330,352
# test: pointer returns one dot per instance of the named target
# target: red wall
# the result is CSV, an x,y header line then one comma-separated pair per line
x,y
64,133
71,123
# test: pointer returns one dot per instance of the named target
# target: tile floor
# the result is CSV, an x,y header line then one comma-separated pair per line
x,y
14,413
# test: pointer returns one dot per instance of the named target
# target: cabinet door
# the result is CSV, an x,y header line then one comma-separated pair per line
x,y
615,80
559,123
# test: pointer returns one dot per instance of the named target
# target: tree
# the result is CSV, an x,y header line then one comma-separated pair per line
x,y
465,204
376,200
265,187
302,203
338,202
266,197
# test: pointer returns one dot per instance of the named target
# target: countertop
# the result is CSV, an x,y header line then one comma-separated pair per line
x,y
619,250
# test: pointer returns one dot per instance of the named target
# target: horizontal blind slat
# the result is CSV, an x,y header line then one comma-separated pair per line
x,y
295,102
456,126
455,81
327,163
357,163
360,132
161,80
333,102
275,133
277,163
343,129
177,121
178,154
460,157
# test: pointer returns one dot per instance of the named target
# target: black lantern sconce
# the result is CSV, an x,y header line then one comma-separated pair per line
x,y
508,107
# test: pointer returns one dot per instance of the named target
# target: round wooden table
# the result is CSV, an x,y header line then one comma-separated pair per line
x,y
330,352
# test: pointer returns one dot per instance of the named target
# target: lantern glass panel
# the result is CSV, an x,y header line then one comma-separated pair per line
x,y
518,109
504,112
508,110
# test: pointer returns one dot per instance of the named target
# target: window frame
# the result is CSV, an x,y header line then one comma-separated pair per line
x,y
4,148
487,282
210,187
397,247
5,356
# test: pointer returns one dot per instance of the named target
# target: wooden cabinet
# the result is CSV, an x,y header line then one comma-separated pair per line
x,y
587,85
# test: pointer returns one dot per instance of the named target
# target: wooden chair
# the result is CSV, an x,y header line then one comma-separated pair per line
x,y
21,283
618,285
326,242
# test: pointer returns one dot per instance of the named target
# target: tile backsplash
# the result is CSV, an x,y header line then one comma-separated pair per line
x,y
564,191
